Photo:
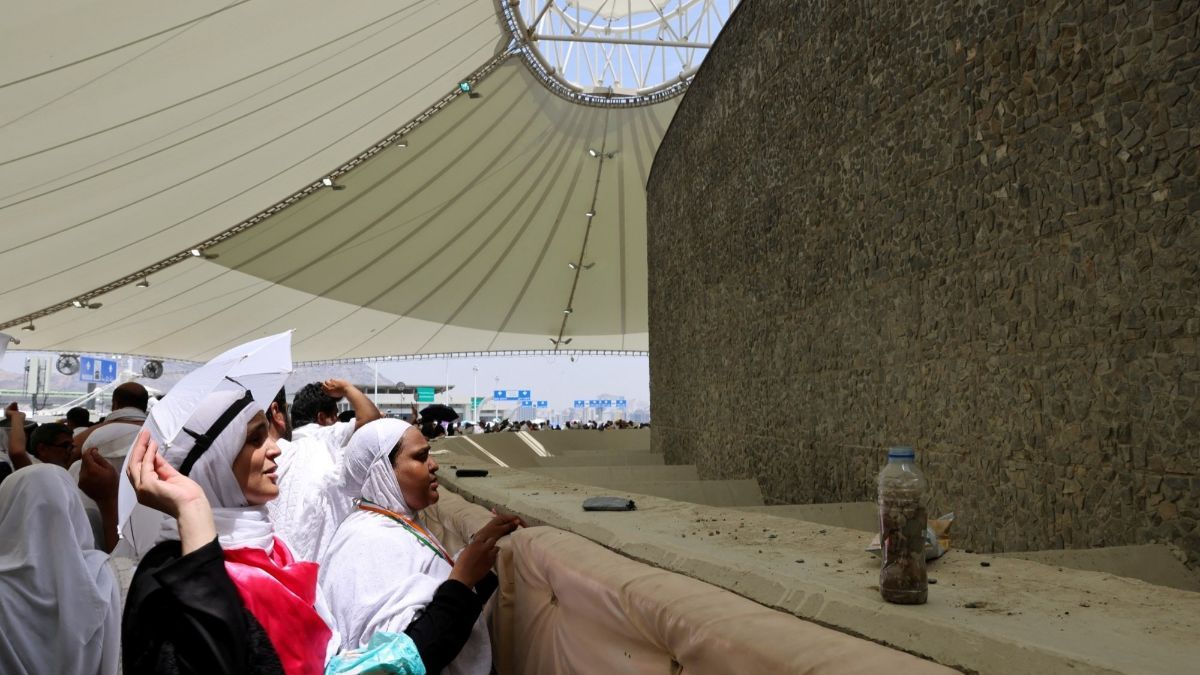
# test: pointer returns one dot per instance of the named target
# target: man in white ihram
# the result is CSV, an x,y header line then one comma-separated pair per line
x,y
314,494
112,438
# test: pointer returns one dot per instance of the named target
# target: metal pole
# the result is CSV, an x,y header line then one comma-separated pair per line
x,y
474,393
624,41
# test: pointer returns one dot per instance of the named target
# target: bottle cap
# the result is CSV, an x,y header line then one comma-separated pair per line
x,y
901,452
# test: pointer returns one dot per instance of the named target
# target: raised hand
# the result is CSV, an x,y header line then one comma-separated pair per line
x,y
14,413
158,484
97,477
336,388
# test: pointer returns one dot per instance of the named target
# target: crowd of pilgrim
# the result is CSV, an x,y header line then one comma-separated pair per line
x,y
264,540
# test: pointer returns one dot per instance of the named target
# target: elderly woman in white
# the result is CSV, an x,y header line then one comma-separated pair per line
x,y
384,572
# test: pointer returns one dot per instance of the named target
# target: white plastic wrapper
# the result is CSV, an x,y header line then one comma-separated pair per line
x,y
937,538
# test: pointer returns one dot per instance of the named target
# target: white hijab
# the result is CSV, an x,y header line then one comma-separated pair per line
x,y
378,576
62,604
239,525
367,457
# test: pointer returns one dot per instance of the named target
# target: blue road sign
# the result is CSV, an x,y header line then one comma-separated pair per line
x,y
621,403
526,404
542,404
579,403
524,394
92,369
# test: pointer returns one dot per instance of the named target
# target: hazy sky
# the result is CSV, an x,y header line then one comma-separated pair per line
x,y
555,379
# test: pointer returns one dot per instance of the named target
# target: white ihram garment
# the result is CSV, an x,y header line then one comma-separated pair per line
x,y
315,492
61,602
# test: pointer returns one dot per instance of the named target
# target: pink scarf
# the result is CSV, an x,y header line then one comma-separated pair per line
x,y
281,593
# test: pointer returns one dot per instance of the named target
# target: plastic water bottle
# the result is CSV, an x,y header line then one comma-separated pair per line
x,y
902,526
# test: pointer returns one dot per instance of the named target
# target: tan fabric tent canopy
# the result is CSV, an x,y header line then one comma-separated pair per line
x,y
138,132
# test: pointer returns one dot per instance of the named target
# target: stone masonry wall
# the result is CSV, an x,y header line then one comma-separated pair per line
x,y
968,226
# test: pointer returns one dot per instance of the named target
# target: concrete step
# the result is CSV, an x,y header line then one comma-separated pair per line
x,y
507,448
862,516
619,476
724,493
634,458
1152,563
574,440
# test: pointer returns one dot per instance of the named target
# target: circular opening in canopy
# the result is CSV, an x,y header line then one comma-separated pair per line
x,y
616,52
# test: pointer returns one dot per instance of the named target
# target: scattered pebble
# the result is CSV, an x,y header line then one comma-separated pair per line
x,y
985,564
969,550
826,564
932,581
975,605
822,531
839,561
1084,604
800,561
772,536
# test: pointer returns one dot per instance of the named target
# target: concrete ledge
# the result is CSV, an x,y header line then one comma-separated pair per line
x,y
1011,616
678,482
863,516
1152,563
619,475
581,458
727,493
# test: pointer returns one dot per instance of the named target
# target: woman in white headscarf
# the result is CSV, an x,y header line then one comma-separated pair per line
x,y
221,594
385,573
61,602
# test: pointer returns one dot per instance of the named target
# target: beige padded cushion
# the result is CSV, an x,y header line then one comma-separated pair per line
x,y
580,608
